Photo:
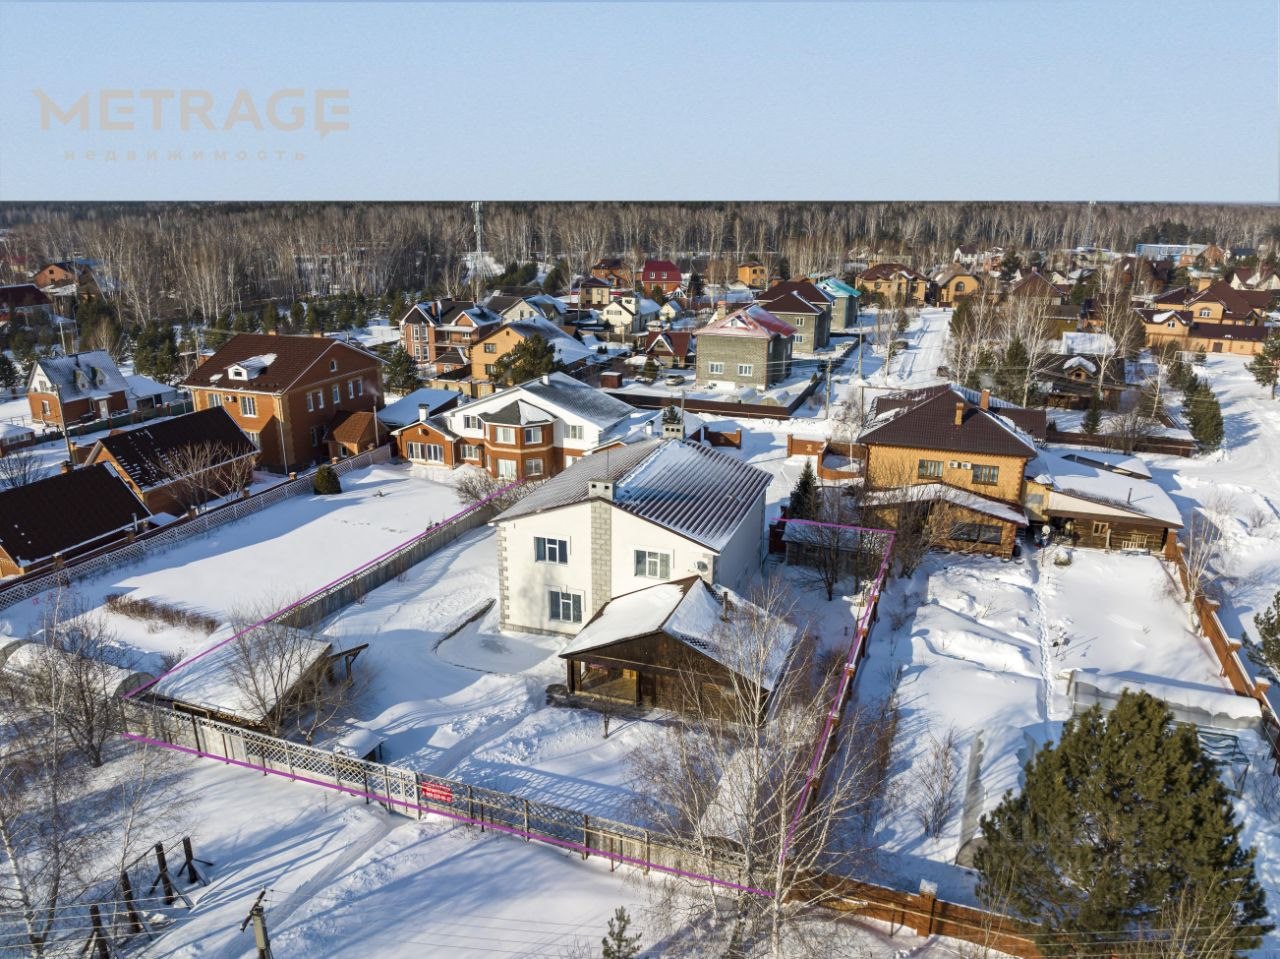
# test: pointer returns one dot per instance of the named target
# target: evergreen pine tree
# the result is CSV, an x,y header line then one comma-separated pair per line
x,y
1204,414
531,357
9,377
270,319
1093,416
400,373
804,497
1265,366
617,944
1266,653
326,481
297,315
1012,372
1119,823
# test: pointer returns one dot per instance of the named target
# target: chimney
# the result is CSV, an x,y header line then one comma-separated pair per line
x,y
546,379
724,606
960,413
985,402
422,412
600,489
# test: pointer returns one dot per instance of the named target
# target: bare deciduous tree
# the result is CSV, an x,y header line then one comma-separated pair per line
x,y
19,467
475,486
734,780
200,472
935,784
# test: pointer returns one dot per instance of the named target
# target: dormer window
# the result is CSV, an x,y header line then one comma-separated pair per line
x,y
333,366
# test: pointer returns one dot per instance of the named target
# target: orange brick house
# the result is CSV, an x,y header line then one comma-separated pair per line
x,y
284,391
78,388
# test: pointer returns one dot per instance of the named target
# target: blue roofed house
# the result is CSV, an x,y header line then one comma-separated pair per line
x,y
844,303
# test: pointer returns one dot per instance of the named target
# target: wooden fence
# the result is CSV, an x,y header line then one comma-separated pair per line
x,y
1227,649
166,537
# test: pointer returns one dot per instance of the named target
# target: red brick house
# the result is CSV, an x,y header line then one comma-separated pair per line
x,y
77,388
285,391
614,272
438,333
662,274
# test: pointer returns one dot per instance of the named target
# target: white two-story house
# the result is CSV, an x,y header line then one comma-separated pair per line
x,y
622,519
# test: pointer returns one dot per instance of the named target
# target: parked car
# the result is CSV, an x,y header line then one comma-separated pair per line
x,y
675,379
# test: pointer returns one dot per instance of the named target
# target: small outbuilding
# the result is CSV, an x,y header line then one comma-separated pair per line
x,y
682,645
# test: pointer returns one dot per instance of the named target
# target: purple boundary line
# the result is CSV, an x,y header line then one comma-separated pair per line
x,y
837,704
316,592
457,817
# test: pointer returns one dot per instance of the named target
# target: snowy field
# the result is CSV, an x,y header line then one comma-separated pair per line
x,y
271,557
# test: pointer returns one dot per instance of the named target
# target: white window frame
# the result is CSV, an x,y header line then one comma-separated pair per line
x,y
563,597
215,399
333,366
533,467
249,405
506,435
549,549
746,369
715,368
255,439
439,455
575,431
337,394
472,451
415,450
649,563
351,389
311,402
471,422
507,469
533,434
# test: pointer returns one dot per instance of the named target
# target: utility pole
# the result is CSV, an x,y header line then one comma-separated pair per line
x,y
257,916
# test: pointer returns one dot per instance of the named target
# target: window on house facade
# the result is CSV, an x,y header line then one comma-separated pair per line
x,y
311,402
569,460
572,432
44,407
547,550
215,399
1100,528
491,347
489,369
435,453
986,475
351,389
960,287
533,434
506,469
976,533
799,337
470,451
652,564
565,606
255,439
929,469
317,434
249,405
715,368
505,435
533,467
337,394
799,321
470,422
746,369
416,451
1204,311
333,366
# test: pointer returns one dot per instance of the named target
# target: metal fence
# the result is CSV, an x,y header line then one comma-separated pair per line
x,y
156,541
415,794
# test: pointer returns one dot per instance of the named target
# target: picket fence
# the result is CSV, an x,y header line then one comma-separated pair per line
x,y
414,794
164,538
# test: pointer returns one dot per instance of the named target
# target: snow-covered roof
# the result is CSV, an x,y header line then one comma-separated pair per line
x,y
210,682
922,492
140,385
31,658
577,398
693,613
1079,362
1088,343
13,431
754,320
405,410
1101,486
89,374
1115,462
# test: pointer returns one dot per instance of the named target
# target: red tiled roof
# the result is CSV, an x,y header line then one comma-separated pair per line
x,y
660,267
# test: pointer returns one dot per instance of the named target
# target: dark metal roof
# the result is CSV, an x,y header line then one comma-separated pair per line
x,y
692,490
931,424
64,512
153,455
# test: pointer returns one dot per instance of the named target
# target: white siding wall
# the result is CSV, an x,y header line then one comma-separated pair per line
x,y
528,581
630,534
741,557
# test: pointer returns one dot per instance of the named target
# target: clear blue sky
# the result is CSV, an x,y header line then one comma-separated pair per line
x,y
1121,99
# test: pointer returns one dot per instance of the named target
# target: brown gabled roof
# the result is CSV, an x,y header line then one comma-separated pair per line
x,y
21,295
790,303
65,512
1179,295
806,290
931,424
153,455
353,427
1230,331
883,271
1233,301
293,357
679,341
